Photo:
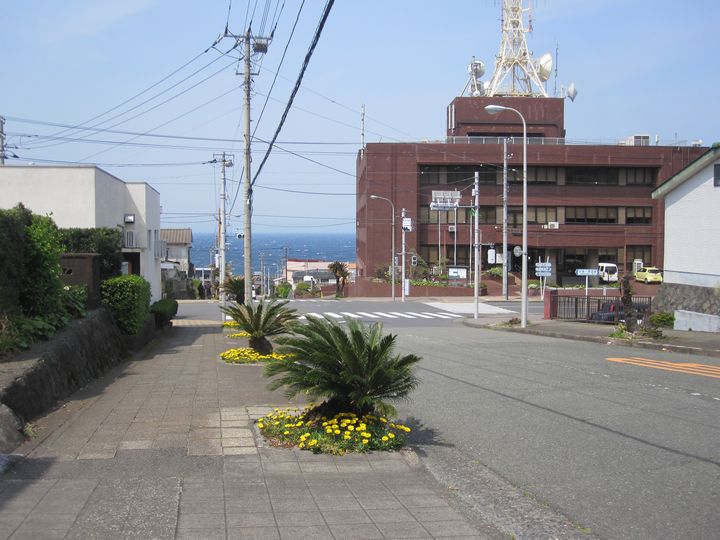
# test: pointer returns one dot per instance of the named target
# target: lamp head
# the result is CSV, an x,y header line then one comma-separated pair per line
x,y
373,196
494,109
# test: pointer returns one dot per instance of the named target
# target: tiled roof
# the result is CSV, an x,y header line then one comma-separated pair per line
x,y
176,236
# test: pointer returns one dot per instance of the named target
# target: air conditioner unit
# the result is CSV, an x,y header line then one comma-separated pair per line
x,y
130,239
451,228
553,225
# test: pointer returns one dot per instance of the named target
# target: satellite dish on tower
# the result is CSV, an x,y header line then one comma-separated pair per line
x,y
571,91
476,69
544,66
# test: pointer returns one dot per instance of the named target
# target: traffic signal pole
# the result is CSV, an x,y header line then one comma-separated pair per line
x,y
402,282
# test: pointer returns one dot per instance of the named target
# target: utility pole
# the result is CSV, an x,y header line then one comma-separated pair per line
x,y
251,45
2,140
476,192
402,280
222,241
505,228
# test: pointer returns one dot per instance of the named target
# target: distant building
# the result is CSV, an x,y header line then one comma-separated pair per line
x,y
88,197
586,202
178,244
691,269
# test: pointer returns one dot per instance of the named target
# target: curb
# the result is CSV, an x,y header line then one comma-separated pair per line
x,y
682,349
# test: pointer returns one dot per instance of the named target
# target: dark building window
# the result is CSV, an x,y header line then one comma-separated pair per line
x,y
429,175
640,215
640,176
604,176
536,214
716,178
547,175
642,253
590,214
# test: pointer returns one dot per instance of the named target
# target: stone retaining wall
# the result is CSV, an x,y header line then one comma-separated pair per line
x,y
672,296
34,380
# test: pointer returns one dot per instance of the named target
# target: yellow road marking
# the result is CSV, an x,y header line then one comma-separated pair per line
x,y
704,370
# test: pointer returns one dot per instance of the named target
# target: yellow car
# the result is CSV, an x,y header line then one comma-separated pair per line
x,y
649,275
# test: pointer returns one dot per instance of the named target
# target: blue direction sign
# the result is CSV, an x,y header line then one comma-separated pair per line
x,y
543,269
586,272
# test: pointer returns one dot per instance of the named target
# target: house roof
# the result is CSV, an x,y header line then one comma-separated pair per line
x,y
688,172
176,236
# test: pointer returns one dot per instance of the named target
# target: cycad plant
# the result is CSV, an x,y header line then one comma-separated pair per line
x,y
261,321
235,287
352,368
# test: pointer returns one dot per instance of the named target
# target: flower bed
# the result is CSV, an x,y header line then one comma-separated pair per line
x,y
239,335
345,432
246,355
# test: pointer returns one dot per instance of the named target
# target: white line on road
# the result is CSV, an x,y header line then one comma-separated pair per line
x,y
385,315
365,314
406,315
348,314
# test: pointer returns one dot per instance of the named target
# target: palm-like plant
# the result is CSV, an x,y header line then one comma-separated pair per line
x,y
341,272
261,321
351,367
235,287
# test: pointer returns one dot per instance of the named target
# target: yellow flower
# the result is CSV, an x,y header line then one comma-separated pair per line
x,y
286,432
366,435
261,425
383,420
328,430
301,445
336,432
391,435
351,428
313,442
384,439
365,441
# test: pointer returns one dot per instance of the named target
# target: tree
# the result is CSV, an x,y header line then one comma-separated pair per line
x,y
628,305
340,270
235,287
352,367
261,321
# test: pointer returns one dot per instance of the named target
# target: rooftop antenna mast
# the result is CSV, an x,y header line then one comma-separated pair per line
x,y
516,73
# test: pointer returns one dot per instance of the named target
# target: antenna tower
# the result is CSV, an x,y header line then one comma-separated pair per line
x,y
516,74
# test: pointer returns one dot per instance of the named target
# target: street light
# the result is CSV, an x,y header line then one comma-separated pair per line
x,y
392,245
495,109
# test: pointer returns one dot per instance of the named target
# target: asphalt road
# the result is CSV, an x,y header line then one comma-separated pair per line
x,y
624,451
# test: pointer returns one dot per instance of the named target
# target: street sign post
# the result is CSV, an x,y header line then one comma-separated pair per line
x,y
587,272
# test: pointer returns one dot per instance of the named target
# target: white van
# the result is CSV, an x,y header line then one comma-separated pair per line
x,y
608,272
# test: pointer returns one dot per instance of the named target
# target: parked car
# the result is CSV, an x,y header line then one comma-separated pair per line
x,y
614,312
649,274
608,272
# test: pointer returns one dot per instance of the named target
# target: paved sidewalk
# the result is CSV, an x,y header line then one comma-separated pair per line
x,y
164,447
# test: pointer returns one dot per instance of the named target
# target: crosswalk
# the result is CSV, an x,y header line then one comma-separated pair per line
x,y
379,315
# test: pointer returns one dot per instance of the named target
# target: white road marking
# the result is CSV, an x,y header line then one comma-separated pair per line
x,y
421,315
348,314
385,315
333,315
406,315
365,314
438,315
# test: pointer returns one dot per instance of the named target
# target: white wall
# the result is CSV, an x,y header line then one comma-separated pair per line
x,y
65,193
692,230
146,201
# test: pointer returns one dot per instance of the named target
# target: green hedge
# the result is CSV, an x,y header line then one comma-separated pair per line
x,y
104,241
128,298
164,310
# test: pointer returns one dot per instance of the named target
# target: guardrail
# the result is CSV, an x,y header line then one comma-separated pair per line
x,y
597,309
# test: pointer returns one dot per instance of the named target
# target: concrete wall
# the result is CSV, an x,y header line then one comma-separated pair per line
x,y
690,300
692,230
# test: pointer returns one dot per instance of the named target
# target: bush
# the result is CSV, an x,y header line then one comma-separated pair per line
x,y
283,290
74,300
302,287
235,287
261,321
41,281
495,271
104,241
663,319
352,367
128,298
164,310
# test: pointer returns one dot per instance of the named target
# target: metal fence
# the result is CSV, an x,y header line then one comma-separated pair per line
x,y
597,309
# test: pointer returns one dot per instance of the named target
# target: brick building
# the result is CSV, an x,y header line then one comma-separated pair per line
x,y
587,203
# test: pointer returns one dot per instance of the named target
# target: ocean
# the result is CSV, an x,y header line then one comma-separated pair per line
x,y
327,247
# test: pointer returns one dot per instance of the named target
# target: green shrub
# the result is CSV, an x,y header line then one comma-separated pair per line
x,y
128,298
283,289
663,319
74,300
495,271
104,241
261,321
164,310
41,282
235,288
353,368
302,287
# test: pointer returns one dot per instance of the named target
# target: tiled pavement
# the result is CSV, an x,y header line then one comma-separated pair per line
x,y
164,447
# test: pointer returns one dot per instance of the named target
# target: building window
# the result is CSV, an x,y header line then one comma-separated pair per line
x,y
639,176
547,175
639,215
429,175
641,253
590,214
604,176
716,178
536,214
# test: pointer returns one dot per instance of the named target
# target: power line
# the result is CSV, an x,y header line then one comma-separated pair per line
x,y
294,92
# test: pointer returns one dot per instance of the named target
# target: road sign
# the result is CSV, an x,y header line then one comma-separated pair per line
x,y
517,251
407,224
543,265
543,273
586,272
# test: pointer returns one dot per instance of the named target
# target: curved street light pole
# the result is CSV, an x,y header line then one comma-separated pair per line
x,y
392,245
495,109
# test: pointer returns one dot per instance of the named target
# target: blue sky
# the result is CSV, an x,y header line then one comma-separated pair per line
x,y
640,66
